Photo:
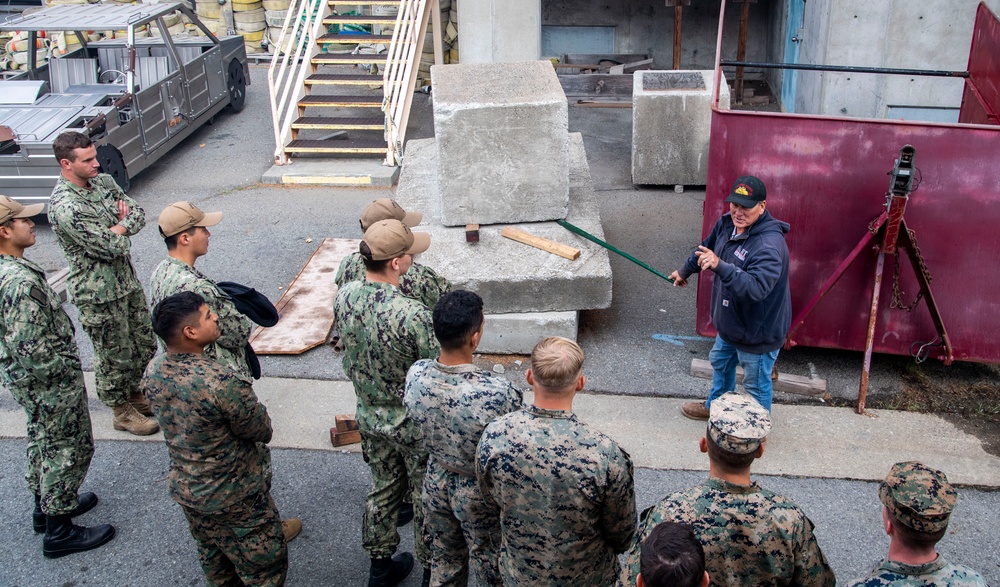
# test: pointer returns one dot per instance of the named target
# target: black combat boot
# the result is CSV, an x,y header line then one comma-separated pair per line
x,y
86,500
405,515
62,537
427,578
387,572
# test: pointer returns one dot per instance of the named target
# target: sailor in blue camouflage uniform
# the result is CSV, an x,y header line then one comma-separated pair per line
x,y
93,220
421,282
184,228
384,333
564,490
453,401
917,502
751,536
216,433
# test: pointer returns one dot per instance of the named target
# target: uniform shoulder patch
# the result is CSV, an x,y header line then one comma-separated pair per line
x,y
38,295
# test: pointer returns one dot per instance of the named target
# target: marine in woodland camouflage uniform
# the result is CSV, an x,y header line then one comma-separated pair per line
x,y
174,275
564,490
751,536
420,283
453,403
216,433
102,280
918,501
384,333
40,367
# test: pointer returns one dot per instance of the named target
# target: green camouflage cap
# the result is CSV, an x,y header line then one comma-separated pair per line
x,y
918,496
737,423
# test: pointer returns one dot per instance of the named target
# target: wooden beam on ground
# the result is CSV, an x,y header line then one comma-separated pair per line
x,y
346,422
344,438
785,383
602,104
597,84
538,242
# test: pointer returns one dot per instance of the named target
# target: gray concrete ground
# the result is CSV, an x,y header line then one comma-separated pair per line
x,y
641,346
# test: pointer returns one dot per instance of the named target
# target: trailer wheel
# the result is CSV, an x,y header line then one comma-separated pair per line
x,y
113,164
237,85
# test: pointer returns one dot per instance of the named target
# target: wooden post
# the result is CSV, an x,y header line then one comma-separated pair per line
x,y
678,12
741,50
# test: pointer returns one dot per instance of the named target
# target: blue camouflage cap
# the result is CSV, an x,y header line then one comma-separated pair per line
x,y
737,423
918,496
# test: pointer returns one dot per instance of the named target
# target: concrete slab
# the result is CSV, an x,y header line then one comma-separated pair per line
x,y
512,277
517,334
501,134
333,172
671,125
806,441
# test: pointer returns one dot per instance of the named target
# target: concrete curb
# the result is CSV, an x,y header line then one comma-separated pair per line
x,y
806,441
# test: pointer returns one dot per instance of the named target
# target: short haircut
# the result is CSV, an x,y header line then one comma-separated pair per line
x,y
171,241
728,462
67,142
175,312
671,556
457,316
556,362
9,223
914,538
371,264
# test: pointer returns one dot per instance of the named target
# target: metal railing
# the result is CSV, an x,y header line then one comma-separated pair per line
x,y
291,64
400,73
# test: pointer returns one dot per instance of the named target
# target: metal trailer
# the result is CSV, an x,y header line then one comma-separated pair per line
x,y
137,98
852,224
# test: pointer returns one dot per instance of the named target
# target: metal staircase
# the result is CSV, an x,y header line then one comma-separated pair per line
x,y
328,84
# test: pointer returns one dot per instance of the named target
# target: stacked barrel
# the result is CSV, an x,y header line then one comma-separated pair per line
x,y
275,12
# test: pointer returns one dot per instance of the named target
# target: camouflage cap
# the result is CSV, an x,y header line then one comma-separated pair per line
x,y
10,209
388,239
737,423
918,496
388,209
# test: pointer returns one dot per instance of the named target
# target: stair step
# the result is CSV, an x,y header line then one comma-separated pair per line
x,y
337,146
338,79
331,39
322,123
347,59
355,19
341,101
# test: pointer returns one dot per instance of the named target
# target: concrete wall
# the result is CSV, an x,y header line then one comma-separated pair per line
x,y
885,33
494,31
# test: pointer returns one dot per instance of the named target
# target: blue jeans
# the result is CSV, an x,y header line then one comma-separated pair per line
x,y
756,372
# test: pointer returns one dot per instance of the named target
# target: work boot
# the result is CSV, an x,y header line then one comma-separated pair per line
x,y
387,572
62,537
291,528
86,500
140,403
130,420
405,515
694,410
427,578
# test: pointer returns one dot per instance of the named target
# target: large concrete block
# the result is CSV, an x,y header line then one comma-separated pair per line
x,y
510,276
671,125
517,334
501,133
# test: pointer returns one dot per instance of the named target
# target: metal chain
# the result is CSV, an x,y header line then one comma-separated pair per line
x,y
897,293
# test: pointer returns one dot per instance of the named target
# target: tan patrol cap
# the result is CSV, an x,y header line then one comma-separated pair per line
x,y
388,209
10,209
181,216
388,239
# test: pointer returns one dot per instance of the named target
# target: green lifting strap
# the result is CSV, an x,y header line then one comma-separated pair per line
x,y
613,249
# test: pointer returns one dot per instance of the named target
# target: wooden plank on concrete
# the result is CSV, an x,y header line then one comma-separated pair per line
x,y
597,84
785,382
549,246
306,308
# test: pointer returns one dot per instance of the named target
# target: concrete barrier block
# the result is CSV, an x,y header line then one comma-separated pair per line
x,y
671,125
501,131
517,334
510,276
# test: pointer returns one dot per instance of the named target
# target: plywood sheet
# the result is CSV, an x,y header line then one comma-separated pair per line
x,y
306,308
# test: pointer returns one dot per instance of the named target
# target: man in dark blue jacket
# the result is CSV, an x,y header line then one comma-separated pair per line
x,y
751,305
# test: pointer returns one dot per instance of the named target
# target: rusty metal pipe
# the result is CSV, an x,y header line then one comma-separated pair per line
x,y
845,68
870,340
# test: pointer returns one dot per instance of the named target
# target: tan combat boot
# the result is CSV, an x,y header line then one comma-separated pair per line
x,y
291,528
129,420
140,403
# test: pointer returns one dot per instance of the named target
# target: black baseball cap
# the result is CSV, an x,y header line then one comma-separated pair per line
x,y
747,191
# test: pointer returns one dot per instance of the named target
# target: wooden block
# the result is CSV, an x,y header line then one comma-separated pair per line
x,y
344,438
346,423
472,233
784,382
538,242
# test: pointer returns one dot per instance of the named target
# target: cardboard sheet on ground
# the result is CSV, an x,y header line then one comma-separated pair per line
x,y
306,308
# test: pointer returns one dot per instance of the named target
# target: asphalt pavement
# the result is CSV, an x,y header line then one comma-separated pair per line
x,y
638,357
